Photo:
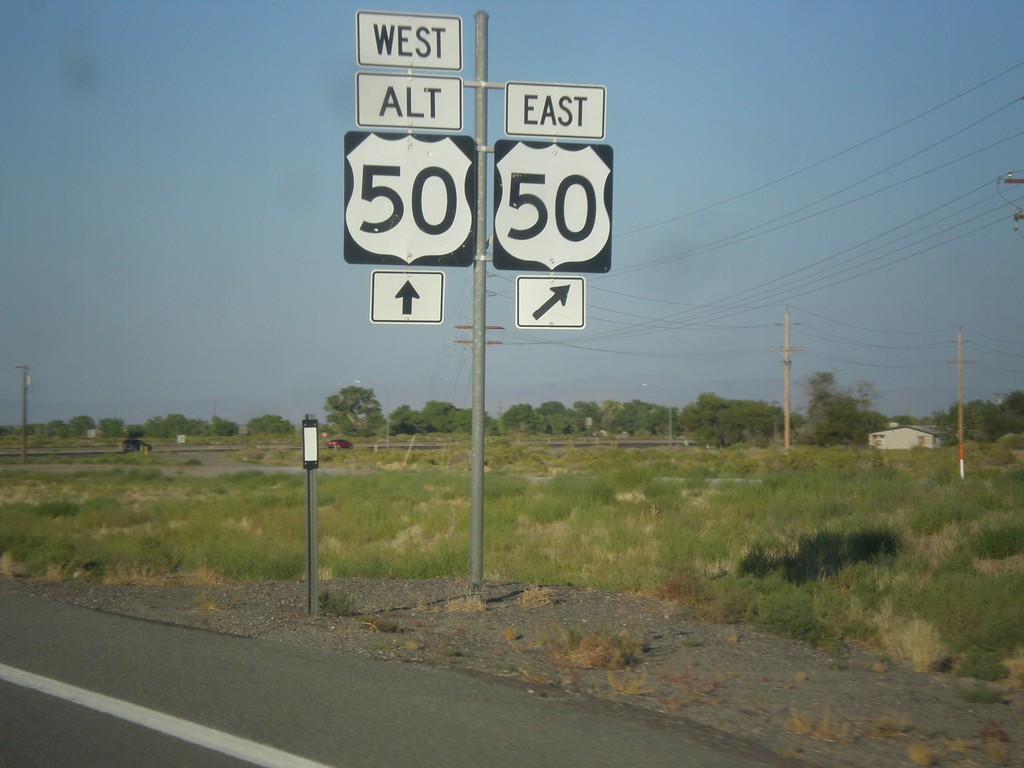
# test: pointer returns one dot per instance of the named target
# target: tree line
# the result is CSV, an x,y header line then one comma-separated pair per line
x,y
836,415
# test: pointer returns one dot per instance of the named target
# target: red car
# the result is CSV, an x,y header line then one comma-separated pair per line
x,y
339,442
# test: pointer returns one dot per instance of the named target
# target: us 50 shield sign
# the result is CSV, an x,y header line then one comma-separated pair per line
x,y
409,199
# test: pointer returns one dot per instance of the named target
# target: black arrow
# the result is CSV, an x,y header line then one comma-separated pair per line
x,y
559,294
407,294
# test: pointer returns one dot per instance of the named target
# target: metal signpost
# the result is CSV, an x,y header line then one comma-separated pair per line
x,y
311,462
420,200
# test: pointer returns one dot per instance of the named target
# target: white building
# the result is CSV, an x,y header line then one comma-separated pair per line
x,y
902,438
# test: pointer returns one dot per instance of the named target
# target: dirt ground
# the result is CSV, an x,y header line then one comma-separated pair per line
x,y
728,685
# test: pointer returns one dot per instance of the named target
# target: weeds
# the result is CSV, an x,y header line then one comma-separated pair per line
x,y
920,753
919,641
979,693
890,726
536,597
982,665
589,649
823,728
467,604
380,624
816,545
819,555
336,604
789,614
629,683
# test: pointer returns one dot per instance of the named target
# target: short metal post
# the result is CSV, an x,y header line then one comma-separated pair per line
x,y
312,566
310,462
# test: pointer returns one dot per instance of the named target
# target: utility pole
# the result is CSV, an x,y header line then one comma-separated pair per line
x,y
960,363
25,379
787,361
1018,215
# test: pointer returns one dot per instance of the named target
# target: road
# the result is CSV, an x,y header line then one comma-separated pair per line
x,y
185,450
79,687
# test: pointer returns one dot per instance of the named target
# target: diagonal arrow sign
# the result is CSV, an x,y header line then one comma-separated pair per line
x,y
407,293
559,295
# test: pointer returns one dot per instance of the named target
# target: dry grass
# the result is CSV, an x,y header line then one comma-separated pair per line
x,y
467,604
536,597
822,728
207,603
592,649
1015,667
890,726
921,754
10,567
630,683
380,624
685,687
915,639
132,574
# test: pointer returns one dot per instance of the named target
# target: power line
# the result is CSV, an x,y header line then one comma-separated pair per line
x,y
828,159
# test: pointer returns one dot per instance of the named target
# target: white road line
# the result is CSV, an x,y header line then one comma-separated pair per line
x,y
194,733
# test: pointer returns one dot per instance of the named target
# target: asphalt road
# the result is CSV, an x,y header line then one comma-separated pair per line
x,y
78,687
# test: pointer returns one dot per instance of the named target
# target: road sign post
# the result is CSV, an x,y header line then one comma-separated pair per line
x,y
311,462
421,200
479,414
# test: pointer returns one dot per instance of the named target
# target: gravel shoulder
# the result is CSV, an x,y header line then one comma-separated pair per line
x,y
729,685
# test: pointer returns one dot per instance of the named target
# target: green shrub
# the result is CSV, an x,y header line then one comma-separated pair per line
x,y
336,604
931,517
789,613
57,509
980,693
819,555
997,542
760,561
972,611
983,665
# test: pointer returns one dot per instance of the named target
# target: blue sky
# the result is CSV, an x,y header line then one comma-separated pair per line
x,y
171,206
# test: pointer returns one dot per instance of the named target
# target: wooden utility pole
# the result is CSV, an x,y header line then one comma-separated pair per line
x,y
1018,215
960,363
787,362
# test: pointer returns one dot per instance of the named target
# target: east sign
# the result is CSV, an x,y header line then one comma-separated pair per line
x,y
555,110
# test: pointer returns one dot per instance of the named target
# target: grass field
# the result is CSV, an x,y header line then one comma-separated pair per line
x,y
891,549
